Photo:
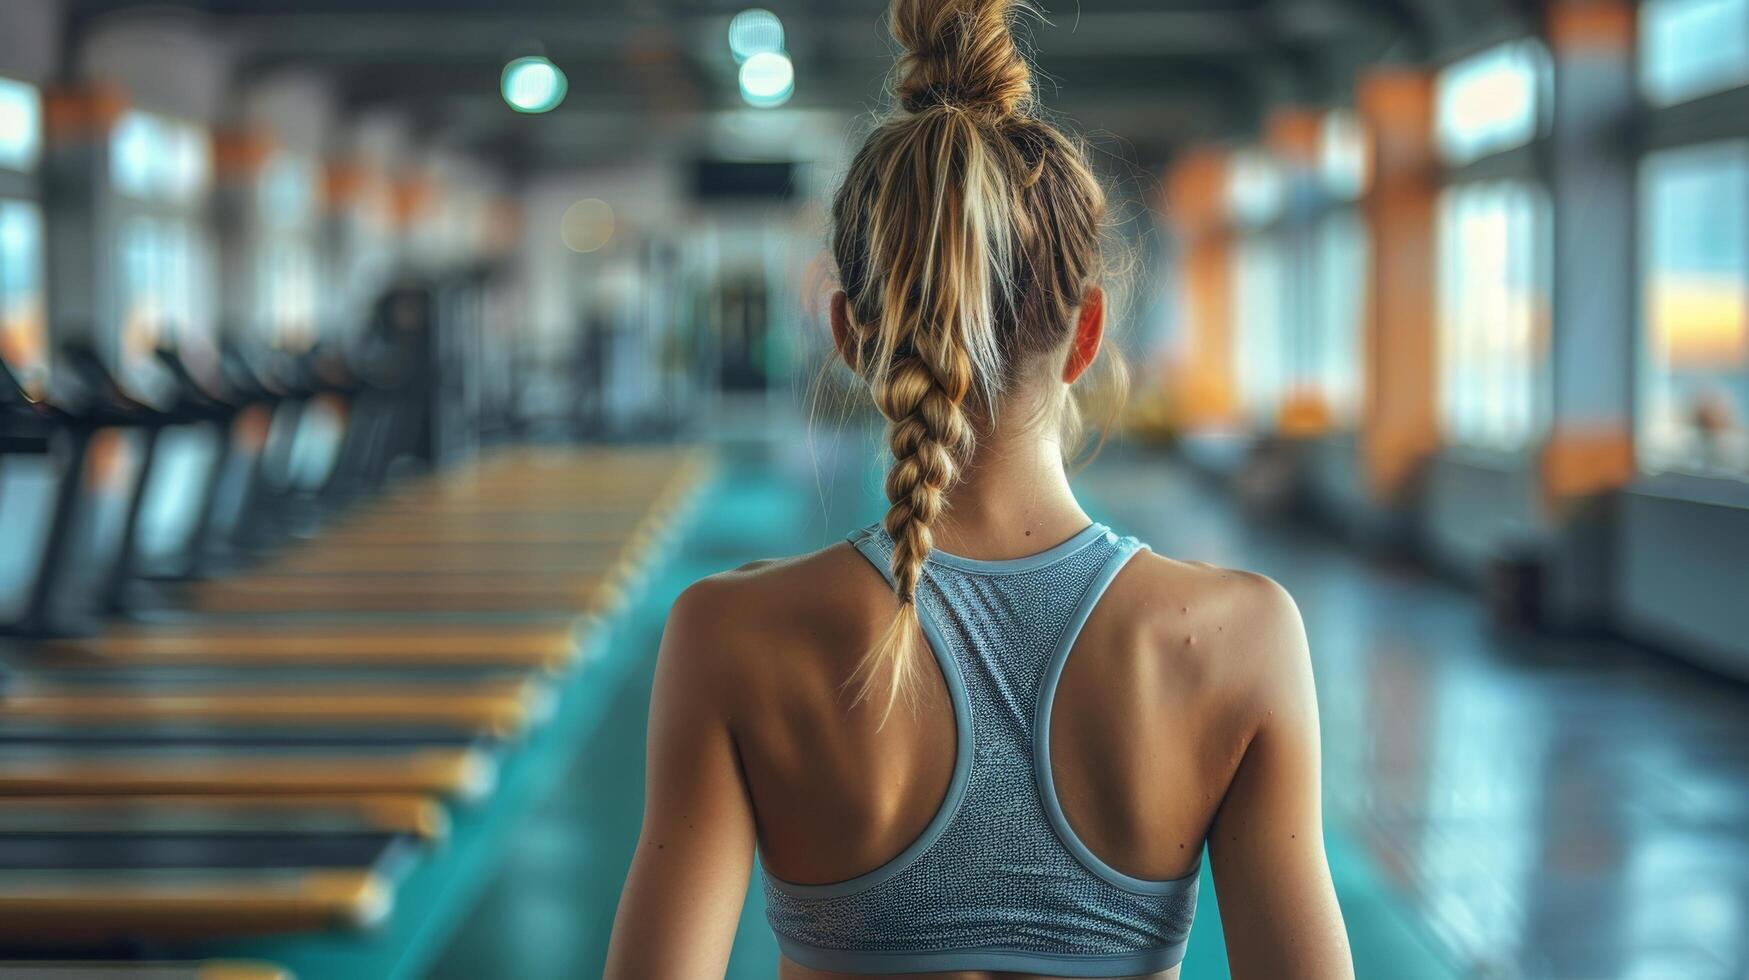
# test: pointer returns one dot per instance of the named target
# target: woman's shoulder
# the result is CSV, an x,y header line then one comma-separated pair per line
x,y
1220,592
774,610
758,587
1237,627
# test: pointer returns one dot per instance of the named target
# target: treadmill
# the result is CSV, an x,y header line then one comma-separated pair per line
x,y
165,802
230,776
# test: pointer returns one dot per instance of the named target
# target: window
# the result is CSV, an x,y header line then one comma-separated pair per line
x,y
286,274
288,192
288,293
1695,270
1335,351
1261,342
1493,314
160,168
161,302
1690,48
20,125
1256,189
1494,253
1492,102
154,158
1256,194
23,327
1344,170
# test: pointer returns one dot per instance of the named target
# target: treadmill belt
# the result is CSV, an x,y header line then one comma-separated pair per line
x,y
125,905
99,970
466,774
547,644
376,813
133,851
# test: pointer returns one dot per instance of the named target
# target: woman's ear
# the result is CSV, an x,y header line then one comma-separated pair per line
x,y
1089,334
843,337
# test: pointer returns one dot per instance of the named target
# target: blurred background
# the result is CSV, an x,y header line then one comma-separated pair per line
x,y
1438,313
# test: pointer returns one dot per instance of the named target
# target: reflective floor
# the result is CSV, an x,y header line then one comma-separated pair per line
x,y
1498,806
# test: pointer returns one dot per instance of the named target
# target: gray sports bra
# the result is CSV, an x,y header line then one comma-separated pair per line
x,y
998,880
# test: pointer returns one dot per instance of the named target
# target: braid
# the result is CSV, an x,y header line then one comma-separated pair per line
x,y
934,242
930,438
965,235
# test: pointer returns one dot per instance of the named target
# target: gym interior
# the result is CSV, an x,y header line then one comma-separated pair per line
x,y
374,374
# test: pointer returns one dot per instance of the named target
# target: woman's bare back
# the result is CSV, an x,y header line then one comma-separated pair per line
x,y
1185,713
1151,716
1170,676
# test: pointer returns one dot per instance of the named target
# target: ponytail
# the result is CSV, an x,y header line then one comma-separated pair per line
x,y
949,272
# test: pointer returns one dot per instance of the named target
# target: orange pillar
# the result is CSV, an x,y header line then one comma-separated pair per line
x,y
1196,192
1399,424
1294,134
81,113
343,183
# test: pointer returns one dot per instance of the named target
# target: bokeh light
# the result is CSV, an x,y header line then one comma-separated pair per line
x,y
587,226
533,84
767,79
754,32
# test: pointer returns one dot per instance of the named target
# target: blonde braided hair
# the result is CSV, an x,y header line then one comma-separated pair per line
x,y
966,234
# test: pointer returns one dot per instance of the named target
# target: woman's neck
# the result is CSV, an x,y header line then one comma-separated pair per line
x,y
1013,500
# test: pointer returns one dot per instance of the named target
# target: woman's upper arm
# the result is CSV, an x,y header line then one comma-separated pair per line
x,y
1278,906
688,880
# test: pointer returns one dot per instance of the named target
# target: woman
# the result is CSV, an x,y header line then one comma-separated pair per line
x,y
986,736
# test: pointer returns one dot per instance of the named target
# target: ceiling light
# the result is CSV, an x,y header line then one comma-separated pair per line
x,y
768,79
754,32
533,84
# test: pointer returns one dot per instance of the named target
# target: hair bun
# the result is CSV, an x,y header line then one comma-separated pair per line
x,y
959,53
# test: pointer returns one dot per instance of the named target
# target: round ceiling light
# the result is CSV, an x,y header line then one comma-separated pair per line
x,y
753,32
767,79
533,84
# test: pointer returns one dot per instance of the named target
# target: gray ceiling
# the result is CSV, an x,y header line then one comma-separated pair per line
x,y
1150,72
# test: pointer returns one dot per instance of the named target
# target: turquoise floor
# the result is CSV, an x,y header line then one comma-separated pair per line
x,y
548,912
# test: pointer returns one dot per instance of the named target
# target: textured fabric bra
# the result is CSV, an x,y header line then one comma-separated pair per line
x,y
998,880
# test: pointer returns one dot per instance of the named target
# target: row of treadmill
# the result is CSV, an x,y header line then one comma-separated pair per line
x,y
262,659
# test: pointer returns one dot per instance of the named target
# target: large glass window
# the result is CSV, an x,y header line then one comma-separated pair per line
x,y
23,326
1493,101
20,125
1690,48
1256,194
1695,259
1344,167
287,272
1493,244
161,168
1261,341
160,159
1334,310
1256,189
1335,351
1493,313
162,302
